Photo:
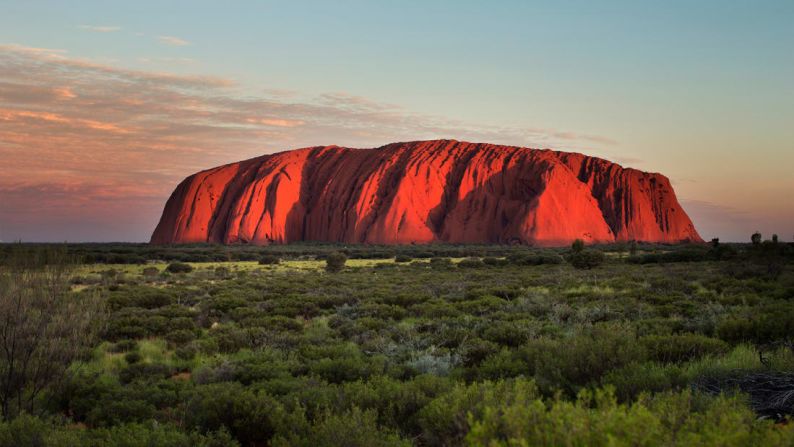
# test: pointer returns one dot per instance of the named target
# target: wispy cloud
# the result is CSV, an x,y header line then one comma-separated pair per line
x,y
100,28
167,60
275,122
173,41
83,134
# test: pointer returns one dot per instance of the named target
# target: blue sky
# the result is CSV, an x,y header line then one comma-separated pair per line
x,y
702,91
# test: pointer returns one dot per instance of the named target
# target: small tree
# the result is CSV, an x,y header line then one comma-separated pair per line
x,y
774,239
756,238
587,258
577,246
715,242
633,248
335,262
43,327
179,267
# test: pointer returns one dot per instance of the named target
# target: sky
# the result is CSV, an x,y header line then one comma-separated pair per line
x,y
105,106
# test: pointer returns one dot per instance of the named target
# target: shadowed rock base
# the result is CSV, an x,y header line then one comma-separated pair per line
x,y
424,192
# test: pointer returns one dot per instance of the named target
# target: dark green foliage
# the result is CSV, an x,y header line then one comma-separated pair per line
x,y
766,324
440,263
471,263
402,258
535,258
678,348
446,420
577,246
250,417
494,262
586,258
145,297
571,363
180,336
354,428
133,357
124,346
179,267
145,372
666,419
335,262
32,431
269,260
688,254
425,353
222,272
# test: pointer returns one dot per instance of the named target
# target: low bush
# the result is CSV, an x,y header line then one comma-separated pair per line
x,y
440,263
402,258
133,357
335,262
179,267
587,258
678,348
600,420
269,260
471,263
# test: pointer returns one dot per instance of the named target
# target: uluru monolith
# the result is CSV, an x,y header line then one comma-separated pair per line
x,y
424,192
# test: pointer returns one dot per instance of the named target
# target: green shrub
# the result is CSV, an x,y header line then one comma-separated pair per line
x,y
251,418
402,258
769,324
144,372
185,352
445,421
24,430
587,258
180,336
124,346
133,357
631,380
354,428
596,419
535,259
269,260
335,262
471,263
678,348
568,364
141,296
179,267
440,263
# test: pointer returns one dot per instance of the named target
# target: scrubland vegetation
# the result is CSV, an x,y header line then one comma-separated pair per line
x,y
321,345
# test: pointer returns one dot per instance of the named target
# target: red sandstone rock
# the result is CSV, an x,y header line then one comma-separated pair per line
x,y
422,192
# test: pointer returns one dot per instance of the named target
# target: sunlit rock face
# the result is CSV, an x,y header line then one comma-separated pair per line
x,y
424,192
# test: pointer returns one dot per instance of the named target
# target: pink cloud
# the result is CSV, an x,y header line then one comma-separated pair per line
x,y
101,143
